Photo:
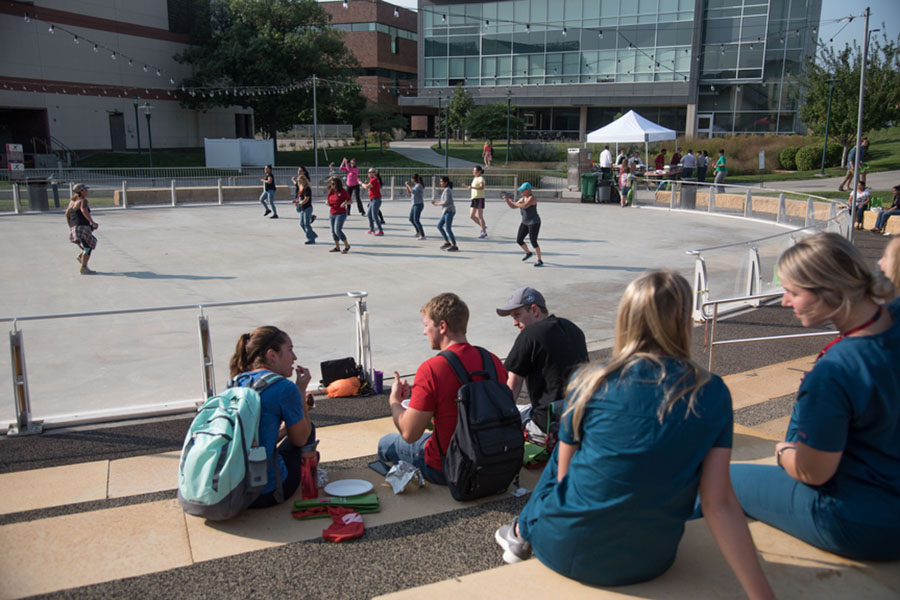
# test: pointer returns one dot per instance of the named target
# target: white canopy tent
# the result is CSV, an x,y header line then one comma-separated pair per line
x,y
631,128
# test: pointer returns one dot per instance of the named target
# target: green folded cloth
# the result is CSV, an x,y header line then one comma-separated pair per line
x,y
364,503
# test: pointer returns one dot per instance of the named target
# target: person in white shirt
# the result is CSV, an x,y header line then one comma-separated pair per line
x,y
606,162
688,164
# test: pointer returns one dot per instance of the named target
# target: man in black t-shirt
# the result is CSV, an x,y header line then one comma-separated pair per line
x,y
544,357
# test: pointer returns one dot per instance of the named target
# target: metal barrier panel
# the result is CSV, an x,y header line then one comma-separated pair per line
x,y
129,380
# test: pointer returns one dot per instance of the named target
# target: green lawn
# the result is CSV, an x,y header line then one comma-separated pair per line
x,y
195,158
471,151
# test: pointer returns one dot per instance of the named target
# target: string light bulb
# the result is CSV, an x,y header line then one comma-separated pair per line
x,y
76,40
443,18
51,29
600,34
565,31
345,4
27,18
113,56
396,12
96,48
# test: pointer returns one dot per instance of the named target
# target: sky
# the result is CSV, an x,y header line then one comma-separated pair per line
x,y
886,11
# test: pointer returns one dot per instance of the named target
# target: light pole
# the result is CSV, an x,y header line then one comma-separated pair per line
x,y
437,123
827,123
508,107
859,124
137,129
447,137
147,108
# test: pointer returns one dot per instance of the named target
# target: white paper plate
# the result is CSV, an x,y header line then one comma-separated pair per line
x,y
405,403
348,487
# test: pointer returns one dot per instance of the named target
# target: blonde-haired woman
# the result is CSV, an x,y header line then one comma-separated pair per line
x,y
640,436
837,480
890,262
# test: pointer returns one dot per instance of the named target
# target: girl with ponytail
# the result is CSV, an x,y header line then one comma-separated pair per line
x,y
283,416
837,480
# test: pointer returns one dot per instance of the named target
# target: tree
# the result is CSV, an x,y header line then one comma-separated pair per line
x,y
275,46
460,106
882,93
489,121
383,118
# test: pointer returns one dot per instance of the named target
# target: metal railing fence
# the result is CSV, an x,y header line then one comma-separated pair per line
x,y
181,181
743,268
25,423
769,338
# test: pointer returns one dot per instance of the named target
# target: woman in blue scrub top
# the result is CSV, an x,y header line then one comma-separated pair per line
x,y
837,483
640,436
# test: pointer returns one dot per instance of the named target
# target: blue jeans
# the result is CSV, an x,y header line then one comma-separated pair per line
x,y
447,220
392,448
305,225
374,208
882,219
770,495
415,214
337,227
268,195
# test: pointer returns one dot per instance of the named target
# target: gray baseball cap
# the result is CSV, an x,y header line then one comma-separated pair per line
x,y
521,297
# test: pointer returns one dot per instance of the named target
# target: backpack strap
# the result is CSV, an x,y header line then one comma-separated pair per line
x,y
464,376
457,366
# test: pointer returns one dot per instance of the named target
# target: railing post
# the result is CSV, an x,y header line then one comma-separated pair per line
x,y
393,177
712,199
701,290
754,276
782,209
712,337
23,425
17,204
173,192
124,194
363,342
515,186
206,359
748,205
219,188
434,180
810,213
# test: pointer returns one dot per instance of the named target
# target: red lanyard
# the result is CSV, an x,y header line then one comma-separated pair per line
x,y
851,332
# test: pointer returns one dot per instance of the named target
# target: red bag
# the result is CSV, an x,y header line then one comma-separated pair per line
x,y
347,524
309,476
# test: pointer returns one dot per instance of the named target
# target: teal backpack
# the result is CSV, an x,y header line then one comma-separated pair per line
x,y
222,468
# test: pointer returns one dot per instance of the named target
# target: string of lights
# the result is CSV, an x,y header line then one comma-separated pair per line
x,y
160,93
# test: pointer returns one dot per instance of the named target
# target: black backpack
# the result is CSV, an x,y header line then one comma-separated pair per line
x,y
485,452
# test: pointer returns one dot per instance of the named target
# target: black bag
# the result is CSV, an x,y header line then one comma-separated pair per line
x,y
340,368
485,452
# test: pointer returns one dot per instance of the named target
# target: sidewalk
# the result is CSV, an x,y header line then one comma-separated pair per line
x,y
421,151
883,180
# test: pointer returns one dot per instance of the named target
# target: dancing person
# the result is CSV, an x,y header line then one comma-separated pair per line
x,y
889,263
445,318
81,226
884,215
285,429
303,203
641,434
268,194
445,223
417,204
531,221
837,480
861,200
374,209
476,210
338,204
487,153
721,171
352,172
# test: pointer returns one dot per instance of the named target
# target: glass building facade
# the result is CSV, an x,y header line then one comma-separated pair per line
x,y
699,66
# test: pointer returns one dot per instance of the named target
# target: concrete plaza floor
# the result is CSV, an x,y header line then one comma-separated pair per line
x,y
193,255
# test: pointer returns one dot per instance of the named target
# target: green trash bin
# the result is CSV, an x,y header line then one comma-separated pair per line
x,y
589,187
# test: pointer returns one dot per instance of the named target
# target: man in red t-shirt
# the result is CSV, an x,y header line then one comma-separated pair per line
x,y
433,393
